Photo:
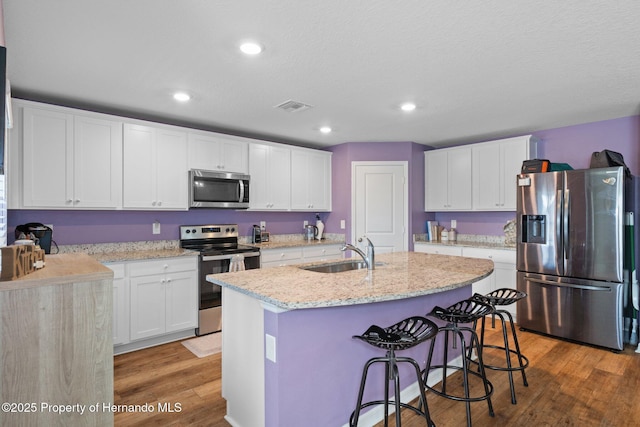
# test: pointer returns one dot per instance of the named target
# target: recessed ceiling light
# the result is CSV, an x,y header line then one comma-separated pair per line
x,y
181,96
325,129
251,48
408,106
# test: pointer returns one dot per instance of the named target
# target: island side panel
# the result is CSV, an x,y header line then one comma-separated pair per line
x,y
56,349
316,376
243,359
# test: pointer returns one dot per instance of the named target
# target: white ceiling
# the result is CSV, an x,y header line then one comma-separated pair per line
x,y
477,70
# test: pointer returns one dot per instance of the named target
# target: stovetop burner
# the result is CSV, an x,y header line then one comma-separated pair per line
x,y
212,239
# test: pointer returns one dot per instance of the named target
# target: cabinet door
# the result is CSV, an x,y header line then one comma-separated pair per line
x,y
486,177
139,167
148,306
171,170
436,178
120,304
182,301
319,178
300,162
47,159
97,163
512,156
204,152
459,178
270,170
259,170
235,156
280,177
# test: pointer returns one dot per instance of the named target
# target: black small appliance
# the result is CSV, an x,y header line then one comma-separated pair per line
x,y
40,233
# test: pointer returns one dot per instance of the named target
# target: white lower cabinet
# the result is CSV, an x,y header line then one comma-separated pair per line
x,y
504,266
120,304
299,255
164,296
153,298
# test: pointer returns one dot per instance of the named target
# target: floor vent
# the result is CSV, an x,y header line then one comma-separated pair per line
x,y
291,106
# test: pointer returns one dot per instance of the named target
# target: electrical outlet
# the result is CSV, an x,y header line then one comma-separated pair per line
x,y
305,224
156,227
342,224
270,347
454,223
263,225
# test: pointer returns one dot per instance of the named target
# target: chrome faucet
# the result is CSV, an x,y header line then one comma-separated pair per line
x,y
369,258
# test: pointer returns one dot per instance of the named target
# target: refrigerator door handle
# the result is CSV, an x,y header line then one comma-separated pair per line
x,y
571,285
565,227
560,243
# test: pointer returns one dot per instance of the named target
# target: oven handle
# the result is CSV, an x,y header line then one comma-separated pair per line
x,y
219,257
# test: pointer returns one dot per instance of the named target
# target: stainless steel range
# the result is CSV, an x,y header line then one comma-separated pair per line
x,y
218,247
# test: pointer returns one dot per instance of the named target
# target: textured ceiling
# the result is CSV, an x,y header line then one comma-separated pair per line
x,y
477,70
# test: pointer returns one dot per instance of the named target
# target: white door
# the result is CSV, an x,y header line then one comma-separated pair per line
x,y
380,204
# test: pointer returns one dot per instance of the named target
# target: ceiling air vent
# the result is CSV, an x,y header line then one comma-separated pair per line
x,y
293,106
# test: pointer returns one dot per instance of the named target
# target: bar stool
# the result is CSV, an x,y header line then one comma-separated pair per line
x,y
502,297
401,336
465,311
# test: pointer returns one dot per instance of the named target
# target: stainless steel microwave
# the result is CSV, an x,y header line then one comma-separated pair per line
x,y
211,189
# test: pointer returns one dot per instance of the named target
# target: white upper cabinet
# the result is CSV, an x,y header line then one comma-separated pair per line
x,y
310,180
217,153
495,167
270,182
155,168
69,161
448,179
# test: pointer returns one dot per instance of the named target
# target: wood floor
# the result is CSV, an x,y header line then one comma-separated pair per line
x,y
569,385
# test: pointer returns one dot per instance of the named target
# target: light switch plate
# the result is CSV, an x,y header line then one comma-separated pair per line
x,y
342,224
454,223
156,227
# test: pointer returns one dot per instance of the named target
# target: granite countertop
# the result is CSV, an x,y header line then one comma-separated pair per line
x,y
279,244
129,251
141,255
401,275
470,241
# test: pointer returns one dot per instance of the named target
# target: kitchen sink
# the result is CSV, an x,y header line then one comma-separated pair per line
x,y
336,267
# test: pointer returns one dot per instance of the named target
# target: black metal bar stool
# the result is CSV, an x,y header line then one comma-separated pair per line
x,y
502,297
403,335
462,312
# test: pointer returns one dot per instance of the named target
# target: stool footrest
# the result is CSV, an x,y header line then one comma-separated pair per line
x,y
462,398
505,368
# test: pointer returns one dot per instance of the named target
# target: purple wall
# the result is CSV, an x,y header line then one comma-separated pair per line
x,y
572,144
316,378
344,154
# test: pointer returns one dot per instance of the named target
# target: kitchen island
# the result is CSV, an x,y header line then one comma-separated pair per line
x,y
56,354
288,353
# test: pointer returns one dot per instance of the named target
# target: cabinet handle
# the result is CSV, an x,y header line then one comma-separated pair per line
x,y
153,203
159,203
69,201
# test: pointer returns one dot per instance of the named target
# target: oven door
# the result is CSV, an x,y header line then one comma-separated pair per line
x,y
211,294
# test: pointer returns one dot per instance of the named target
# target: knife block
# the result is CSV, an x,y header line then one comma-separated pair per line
x,y
20,260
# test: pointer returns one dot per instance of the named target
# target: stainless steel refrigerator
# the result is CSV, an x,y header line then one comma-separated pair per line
x,y
570,253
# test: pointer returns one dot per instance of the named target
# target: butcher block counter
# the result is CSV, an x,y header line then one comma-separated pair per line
x,y
56,352
286,328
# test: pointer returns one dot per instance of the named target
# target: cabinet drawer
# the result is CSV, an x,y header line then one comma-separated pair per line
x,y
276,255
438,249
496,255
322,252
167,265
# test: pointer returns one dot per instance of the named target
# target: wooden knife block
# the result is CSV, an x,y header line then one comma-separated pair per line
x,y
20,260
